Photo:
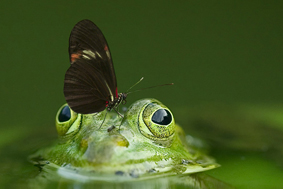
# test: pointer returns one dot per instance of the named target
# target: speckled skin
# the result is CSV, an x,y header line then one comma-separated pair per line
x,y
134,150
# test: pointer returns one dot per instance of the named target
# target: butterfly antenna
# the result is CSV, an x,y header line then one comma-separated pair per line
x,y
134,85
150,87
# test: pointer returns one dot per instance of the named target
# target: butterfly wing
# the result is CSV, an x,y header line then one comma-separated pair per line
x,y
90,82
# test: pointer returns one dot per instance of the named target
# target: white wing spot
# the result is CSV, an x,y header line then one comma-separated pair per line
x,y
108,54
112,98
89,53
98,54
86,57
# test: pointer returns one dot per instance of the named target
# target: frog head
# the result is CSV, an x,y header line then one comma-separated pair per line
x,y
145,142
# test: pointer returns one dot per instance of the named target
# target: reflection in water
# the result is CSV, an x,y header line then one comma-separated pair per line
x,y
245,139
52,176
240,128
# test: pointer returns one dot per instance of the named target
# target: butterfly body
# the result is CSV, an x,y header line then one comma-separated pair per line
x,y
117,101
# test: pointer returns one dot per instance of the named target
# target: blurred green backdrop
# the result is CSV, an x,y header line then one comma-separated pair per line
x,y
223,51
214,51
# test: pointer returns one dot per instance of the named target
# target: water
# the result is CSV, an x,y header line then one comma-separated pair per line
x,y
246,160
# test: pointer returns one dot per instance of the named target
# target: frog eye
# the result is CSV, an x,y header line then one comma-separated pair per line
x,y
65,114
156,122
67,121
162,117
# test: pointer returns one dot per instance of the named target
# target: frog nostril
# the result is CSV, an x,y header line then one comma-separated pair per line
x,y
65,114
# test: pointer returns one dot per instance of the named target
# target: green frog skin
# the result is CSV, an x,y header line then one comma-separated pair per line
x,y
145,143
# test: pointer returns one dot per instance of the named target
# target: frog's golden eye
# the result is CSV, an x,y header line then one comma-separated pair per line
x,y
156,122
67,121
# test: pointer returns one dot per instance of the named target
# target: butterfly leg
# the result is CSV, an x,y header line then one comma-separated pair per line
x,y
103,120
118,112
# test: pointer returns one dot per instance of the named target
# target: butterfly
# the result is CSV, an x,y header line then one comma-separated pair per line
x,y
90,84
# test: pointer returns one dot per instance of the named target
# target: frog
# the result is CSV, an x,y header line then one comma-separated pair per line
x,y
142,143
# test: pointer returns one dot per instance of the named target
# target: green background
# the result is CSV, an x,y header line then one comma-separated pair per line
x,y
213,51
227,51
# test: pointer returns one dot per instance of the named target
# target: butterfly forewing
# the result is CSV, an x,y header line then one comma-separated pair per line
x,y
90,82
